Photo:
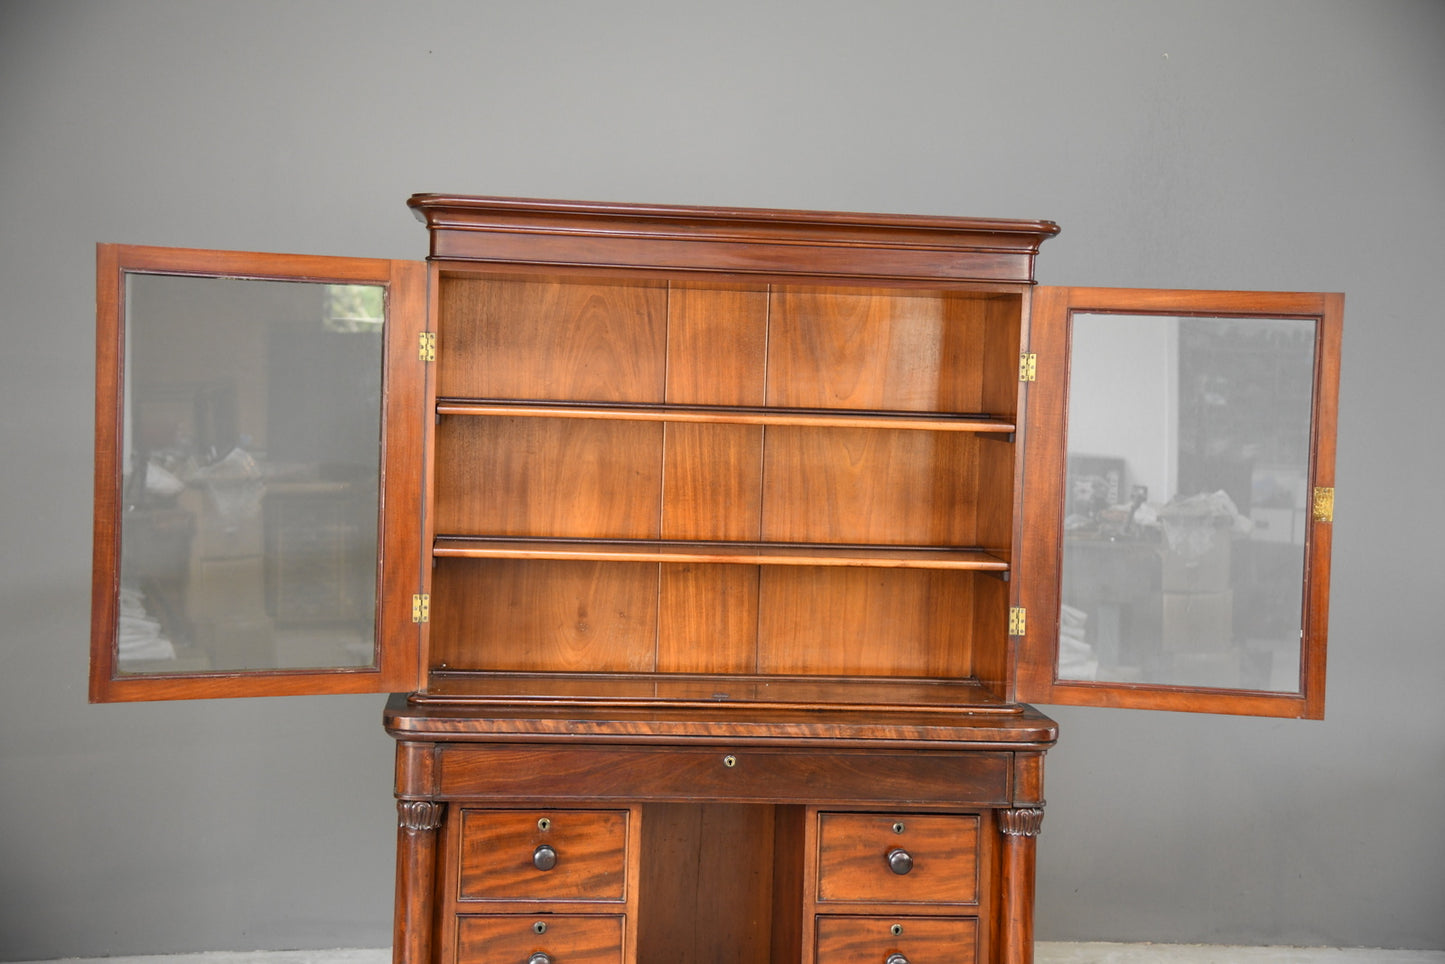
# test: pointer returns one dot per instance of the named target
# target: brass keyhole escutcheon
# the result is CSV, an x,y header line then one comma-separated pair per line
x,y
544,824
896,930
541,927
730,761
898,827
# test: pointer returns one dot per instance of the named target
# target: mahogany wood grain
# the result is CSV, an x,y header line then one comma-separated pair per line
x,y
792,866
531,338
570,774
707,620
712,482
571,938
870,486
867,622
732,692
1045,456
1014,927
921,940
715,415
548,477
498,848
415,907
543,615
853,853
395,665
726,553
707,884
731,240
872,349
716,343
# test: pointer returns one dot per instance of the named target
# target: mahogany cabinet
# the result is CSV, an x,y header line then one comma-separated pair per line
x,y
712,556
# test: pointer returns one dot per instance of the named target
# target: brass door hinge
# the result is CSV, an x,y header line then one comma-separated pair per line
x,y
1017,621
1028,366
421,607
1324,504
427,346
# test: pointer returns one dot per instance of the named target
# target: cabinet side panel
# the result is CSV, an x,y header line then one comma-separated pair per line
x,y
883,622
553,339
541,616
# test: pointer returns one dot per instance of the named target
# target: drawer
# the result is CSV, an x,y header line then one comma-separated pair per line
x,y
898,858
519,939
543,855
919,940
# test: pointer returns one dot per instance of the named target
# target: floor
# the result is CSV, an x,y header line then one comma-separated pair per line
x,y
1044,953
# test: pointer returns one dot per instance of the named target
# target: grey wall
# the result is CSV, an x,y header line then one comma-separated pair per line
x,y
1219,143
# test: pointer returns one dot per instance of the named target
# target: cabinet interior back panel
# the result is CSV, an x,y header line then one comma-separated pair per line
x,y
522,615
559,477
554,340
876,349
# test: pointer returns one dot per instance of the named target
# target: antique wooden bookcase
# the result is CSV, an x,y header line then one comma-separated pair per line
x,y
713,556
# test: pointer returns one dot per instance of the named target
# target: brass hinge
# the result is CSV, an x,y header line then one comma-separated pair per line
x,y
421,607
1017,621
427,346
1324,504
1028,366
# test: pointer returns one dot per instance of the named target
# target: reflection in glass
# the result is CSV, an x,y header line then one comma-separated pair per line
x,y
251,454
1186,500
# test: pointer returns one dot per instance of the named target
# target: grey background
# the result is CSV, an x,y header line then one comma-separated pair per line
x,y
1292,145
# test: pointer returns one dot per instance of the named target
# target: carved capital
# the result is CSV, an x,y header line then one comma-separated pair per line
x,y
419,815
1023,822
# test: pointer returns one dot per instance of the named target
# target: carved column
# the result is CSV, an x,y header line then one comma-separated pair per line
x,y
416,858
1018,831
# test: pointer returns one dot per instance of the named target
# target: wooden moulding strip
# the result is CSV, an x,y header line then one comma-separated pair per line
x,y
921,421
465,547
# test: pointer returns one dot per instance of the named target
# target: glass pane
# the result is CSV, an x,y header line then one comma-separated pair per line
x,y
1186,500
251,454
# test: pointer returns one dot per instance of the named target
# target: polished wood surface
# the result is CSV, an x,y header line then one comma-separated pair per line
x,y
499,848
1044,499
569,938
850,940
700,538
396,662
937,862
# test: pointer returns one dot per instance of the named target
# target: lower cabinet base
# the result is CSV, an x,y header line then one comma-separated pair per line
x,y
742,871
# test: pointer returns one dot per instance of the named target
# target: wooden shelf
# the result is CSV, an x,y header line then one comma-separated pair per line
x,y
737,415
615,690
735,553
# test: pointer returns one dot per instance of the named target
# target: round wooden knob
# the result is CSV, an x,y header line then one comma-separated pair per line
x,y
541,958
544,858
900,861
896,958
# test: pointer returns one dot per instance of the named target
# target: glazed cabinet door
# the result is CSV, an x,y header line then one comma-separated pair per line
x,y
257,474
1178,500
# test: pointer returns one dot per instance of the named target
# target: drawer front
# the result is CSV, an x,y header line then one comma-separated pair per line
x,y
920,940
517,939
898,858
641,774
543,855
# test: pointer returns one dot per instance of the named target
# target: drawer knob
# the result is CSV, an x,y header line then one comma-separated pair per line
x,y
542,958
544,858
896,958
900,862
